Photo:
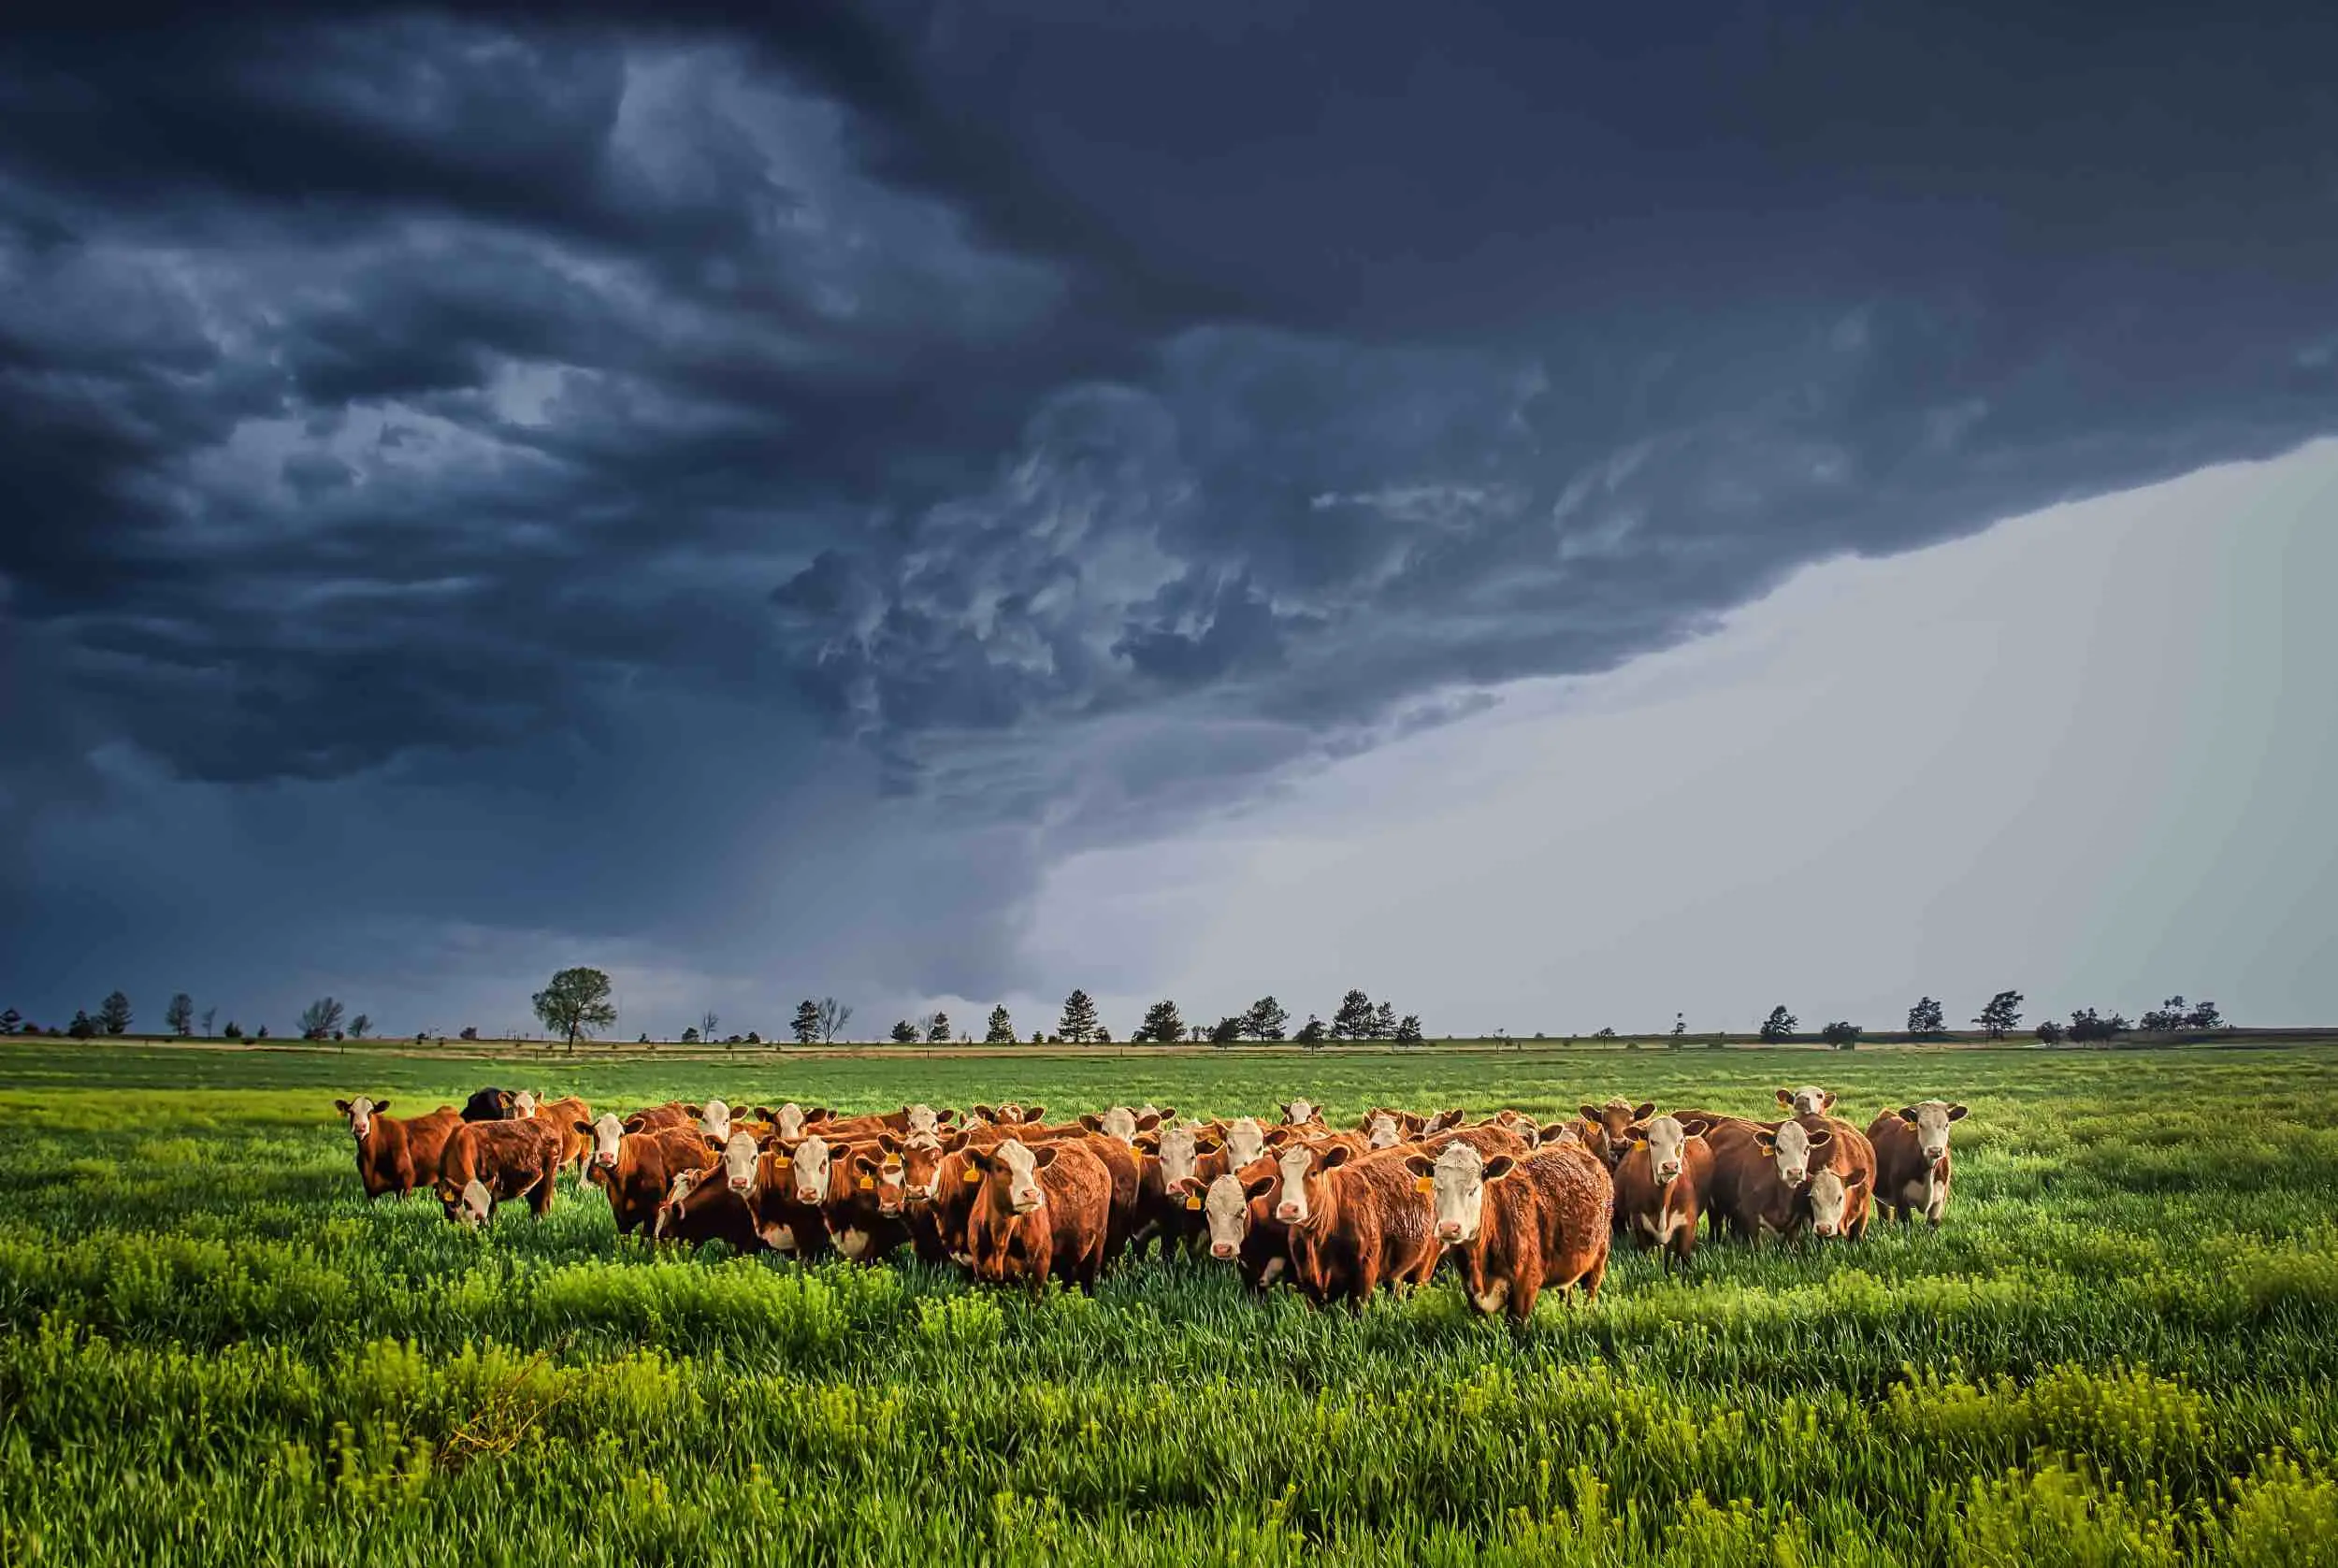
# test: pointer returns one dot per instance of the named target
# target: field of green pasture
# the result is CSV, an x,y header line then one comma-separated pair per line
x,y
2123,1347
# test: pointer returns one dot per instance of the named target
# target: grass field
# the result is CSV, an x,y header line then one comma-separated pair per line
x,y
2123,1347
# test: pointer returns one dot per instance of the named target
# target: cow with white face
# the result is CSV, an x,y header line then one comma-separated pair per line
x,y
475,1207
359,1113
669,1208
523,1104
1119,1122
1246,1141
921,1120
1661,1183
1913,1167
1808,1100
1837,1203
608,1134
1381,1131
1790,1144
740,1160
714,1119
1761,1175
1457,1178
1299,1112
807,1169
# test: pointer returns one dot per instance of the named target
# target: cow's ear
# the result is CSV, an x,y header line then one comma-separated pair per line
x,y
1187,1187
1908,1114
1147,1122
714,1143
1032,1113
1335,1157
1591,1111
763,1114
1260,1186
1765,1141
1856,1181
1955,1113
987,1113
686,1110
1208,1145
947,1114
979,1160
630,1124
1168,1113
1694,1127
1642,1113
343,1106
1043,1155
1827,1101
1785,1097
583,1128
1092,1122
889,1143
1421,1165
1147,1142
1820,1138
1499,1166
1277,1137
818,1114
861,1161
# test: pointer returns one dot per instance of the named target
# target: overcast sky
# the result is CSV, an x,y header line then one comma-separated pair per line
x,y
939,503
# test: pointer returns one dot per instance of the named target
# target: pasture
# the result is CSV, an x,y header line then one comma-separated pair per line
x,y
2122,1346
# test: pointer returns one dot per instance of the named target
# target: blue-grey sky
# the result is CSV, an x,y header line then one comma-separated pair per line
x,y
947,502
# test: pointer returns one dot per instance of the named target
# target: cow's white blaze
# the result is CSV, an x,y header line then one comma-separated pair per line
x,y
1457,1196
1665,1139
1023,1191
1384,1132
921,1118
1245,1141
739,1156
1791,1148
1119,1122
608,1132
1177,1155
1227,1209
1830,1202
670,1207
808,1170
790,1121
524,1106
1299,1112
477,1205
1291,1194
360,1118
1811,1101
716,1119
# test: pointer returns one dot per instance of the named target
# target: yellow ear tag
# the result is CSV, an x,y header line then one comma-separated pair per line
x,y
1425,1185
1194,1201
1640,1143
973,1176
867,1183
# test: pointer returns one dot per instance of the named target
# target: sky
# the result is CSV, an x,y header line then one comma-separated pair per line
x,y
941,503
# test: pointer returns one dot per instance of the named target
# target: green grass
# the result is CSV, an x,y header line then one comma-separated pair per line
x,y
2122,1348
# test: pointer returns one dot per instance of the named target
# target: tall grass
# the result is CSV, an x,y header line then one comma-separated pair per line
x,y
2122,1348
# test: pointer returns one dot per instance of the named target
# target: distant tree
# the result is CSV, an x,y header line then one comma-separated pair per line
x,y
904,1033
1161,1025
754,1039
1197,1032
233,1031
1312,1033
260,1033
1038,1037
807,1024
1841,1035
1103,1035
575,1003
2168,1018
1353,1020
83,1026
2088,1027
708,1027
2049,1032
1384,1021
180,1015
1997,1019
735,1040
1266,1020
357,1025
690,1035
1927,1020
1779,1025
2205,1016
1408,1031
834,1016
113,1014
12,1021
1078,1023
211,1012
645,1039
468,1031
1000,1030
938,1029
1605,1034
1228,1029
322,1017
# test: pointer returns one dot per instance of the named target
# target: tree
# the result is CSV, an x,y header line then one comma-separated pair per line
x,y
322,1017
2049,1032
1002,1029
1078,1023
2205,1016
904,1033
1605,1034
232,1031
180,1015
211,1012
1161,1025
1228,1029
113,1014
11,1021
357,1025
577,1003
690,1036
1779,1025
938,1029
1312,1033
260,1033
470,1031
2086,1027
1408,1029
709,1026
1997,1019
807,1024
1266,1020
1384,1021
754,1039
1841,1035
1353,1020
834,1016
82,1027
1103,1035
1927,1020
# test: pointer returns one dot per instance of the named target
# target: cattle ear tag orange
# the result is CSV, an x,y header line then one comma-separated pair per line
x,y
867,1183
973,1175
1193,1200
1424,1184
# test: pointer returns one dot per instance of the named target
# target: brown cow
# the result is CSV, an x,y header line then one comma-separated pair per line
x,y
918,1118
1761,1171
1009,1114
1302,1113
486,1163
1039,1212
635,1165
699,1206
564,1115
1356,1221
1172,1156
1661,1184
1522,1224
1124,1124
652,1118
1912,1160
1808,1100
1607,1130
1842,1183
395,1154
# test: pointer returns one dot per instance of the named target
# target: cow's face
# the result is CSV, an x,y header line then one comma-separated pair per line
x,y
1245,1141
1226,1209
361,1113
1119,1122
921,1169
1300,1173
1930,1120
1178,1152
737,1164
1299,1112
715,1119
1808,1100
523,1105
807,1171
1832,1196
1444,1121
473,1206
884,1175
1457,1188
1791,1146
790,1120
1383,1131
920,1118
1666,1143
607,1132
1020,1166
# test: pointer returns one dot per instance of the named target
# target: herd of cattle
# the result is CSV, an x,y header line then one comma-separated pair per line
x,y
1523,1206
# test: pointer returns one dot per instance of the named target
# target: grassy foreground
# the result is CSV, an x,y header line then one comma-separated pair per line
x,y
2122,1348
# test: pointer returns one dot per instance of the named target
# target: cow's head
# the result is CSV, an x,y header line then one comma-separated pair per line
x,y
1245,1141
1608,1127
740,1158
1832,1197
807,1171
883,1173
1119,1122
669,1206
1930,1119
1298,1112
1225,1209
1667,1144
1457,1179
1301,1174
714,1117
1443,1121
1382,1130
607,1132
1791,1146
1013,1167
1808,1100
469,1204
923,1118
1178,1148
360,1113
921,1165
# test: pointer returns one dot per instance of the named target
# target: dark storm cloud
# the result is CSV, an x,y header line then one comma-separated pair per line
x,y
1085,416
